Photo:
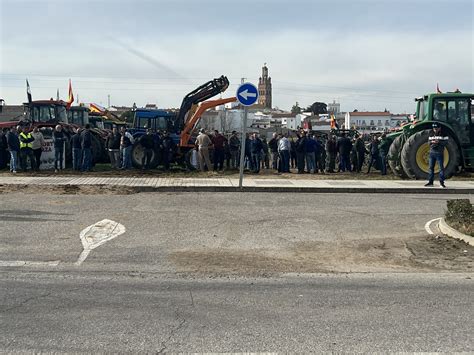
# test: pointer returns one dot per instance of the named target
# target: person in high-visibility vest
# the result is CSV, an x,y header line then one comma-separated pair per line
x,y
26,149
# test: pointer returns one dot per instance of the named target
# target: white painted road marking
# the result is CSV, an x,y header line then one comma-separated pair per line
x,y
29,263
98,234
427,225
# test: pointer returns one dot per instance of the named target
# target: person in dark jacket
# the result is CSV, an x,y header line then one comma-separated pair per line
x,y
168,148
3,149
374,153
218,141
76,149
331,152
360,150
320,155
311,147
13,143
58,142
86,146
256,148
126,146
113,147
248,153
438,142
148,143
273,145
383,151
301,152
292,152
234,148
265,154
344,147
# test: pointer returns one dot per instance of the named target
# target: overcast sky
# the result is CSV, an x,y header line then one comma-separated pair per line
x,y
367,54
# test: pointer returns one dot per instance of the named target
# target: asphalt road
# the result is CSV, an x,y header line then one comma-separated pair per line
x,y
198,272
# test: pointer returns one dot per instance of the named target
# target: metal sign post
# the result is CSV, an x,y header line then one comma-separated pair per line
x,y
247,94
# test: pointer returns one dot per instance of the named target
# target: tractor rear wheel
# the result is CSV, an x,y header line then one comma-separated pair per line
x,y
137,156
415,156
394,157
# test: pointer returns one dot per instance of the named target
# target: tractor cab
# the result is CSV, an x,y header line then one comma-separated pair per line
x,y
78,115
158,120
46,111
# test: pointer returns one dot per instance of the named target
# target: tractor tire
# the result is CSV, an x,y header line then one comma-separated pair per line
x,y
415,156
137,155
394,157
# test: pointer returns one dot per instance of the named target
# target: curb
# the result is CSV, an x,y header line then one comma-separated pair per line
x,y
453,233
284,189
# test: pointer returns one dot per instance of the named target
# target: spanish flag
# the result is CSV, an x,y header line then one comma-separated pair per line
x,y
70,98
97,108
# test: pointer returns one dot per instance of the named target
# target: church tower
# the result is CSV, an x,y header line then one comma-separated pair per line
x,y
265,89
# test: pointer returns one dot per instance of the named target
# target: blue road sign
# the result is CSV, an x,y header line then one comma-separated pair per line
x,y
247,94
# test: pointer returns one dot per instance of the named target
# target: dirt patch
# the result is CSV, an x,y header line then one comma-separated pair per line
x,y
420,254
70,189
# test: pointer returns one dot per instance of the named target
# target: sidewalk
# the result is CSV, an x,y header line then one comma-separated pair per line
x,y
223,184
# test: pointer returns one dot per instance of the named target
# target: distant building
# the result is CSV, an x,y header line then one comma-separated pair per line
x,y
334,107
368,122
11,113
265,89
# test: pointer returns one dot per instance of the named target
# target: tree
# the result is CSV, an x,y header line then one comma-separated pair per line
x,y
296,109
318,108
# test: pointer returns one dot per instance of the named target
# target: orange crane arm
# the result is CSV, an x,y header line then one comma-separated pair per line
x,y
191,123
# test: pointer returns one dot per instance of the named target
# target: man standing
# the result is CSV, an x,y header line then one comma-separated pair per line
x,y
437,142
311,148
331,150
273,145
37,146
3,149
218,141
284,151
374,153
13,143
147,142
256,151
58,141
126,146
344,147
26,152
113,147
86,147
168,147
301,152
383,150
360,149
203,142
76,149
234,146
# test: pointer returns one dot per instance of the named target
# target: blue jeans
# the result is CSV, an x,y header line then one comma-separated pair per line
x,y
256,162
86,159
127,157
13,160
58,157
436,157
76,158
311,162
285,161
345,163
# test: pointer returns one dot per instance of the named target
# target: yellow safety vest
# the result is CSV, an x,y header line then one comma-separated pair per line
x,y
25,137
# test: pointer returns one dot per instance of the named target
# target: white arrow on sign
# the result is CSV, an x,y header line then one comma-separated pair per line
x,y
246,94
98,234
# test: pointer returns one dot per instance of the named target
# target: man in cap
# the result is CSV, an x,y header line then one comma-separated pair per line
x,y
204,142
437,144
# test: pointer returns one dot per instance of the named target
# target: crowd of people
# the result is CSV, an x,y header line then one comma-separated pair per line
x,y
307,153
302,151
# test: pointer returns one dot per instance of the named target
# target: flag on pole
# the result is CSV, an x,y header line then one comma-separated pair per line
x,y
57,95
96,108
28,92
438,91
70,98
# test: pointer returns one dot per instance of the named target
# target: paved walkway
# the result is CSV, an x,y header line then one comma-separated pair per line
x,y
250,184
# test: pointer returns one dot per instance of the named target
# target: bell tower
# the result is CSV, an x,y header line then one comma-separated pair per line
x,y
265,88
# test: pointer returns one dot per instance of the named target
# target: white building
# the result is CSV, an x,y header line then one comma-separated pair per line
x,y
334,107
368,122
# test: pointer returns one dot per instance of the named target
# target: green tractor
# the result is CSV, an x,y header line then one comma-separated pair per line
x,y
409,150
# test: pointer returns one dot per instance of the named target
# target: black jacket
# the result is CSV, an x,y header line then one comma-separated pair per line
x,y
59,138
76,141
147,141
344,146
273,144
437,142
301,145
113,141
13,142
86,139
